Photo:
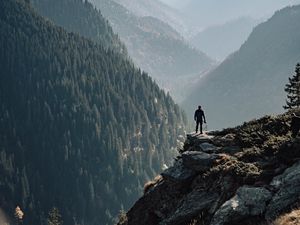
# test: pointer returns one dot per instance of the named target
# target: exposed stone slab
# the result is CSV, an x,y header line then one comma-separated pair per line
x,y
198,161
288,186
192,205
208,148
178,172
248,201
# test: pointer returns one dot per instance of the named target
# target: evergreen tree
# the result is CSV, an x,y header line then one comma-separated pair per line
x,y
54,217
293,90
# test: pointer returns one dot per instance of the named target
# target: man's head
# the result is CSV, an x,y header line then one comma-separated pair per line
x,y
199,107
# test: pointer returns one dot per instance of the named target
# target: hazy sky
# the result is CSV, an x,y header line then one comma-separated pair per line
x,y
208,12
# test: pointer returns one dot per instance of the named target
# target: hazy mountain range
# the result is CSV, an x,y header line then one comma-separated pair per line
x,y
221,40
205,13
250,83
157,48
157,9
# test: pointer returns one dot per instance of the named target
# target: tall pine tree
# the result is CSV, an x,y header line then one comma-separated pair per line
x,y
293,90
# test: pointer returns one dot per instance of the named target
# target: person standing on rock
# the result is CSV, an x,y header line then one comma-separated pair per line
x,y
199,117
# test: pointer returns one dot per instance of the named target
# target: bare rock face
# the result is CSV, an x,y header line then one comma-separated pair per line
x,y
288,191
248,201
249,173
198,161
178,172
191,206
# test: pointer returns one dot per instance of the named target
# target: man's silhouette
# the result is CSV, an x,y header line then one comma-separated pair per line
x,y
199,117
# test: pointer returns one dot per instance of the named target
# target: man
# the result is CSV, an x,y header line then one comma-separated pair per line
x,y
198,116
295,125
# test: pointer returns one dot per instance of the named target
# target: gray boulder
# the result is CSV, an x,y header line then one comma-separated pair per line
x,y
248,201
198,161
178,172
288,186
208,148
191,206
231,149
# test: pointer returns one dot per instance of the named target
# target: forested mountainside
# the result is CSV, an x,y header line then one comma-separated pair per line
x,y
81,129
251,82
156,47
80,17
157,9
221,40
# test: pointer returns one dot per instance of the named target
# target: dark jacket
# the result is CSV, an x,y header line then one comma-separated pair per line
x,y
295,124
199,114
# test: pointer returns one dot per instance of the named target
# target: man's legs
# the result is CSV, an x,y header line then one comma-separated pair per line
x,y
197,125
200,127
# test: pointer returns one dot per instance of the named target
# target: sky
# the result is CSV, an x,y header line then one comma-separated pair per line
x,y
212,12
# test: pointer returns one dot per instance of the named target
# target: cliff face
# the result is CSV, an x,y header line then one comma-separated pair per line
x,y
248,174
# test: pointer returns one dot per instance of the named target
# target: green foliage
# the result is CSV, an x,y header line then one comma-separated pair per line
x,y
77,122
54,217
293,90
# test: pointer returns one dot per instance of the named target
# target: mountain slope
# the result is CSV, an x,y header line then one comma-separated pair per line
x,y
81,128
251,82
155,47
221,40
82,18
157,9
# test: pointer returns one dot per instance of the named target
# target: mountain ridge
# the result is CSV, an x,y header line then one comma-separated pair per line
x,y
250,82
152,48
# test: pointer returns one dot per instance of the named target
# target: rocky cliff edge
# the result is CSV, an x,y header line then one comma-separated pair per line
x,y
244,175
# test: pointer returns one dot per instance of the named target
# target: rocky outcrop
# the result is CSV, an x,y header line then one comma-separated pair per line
x,y
245,175
287,186
248,201
198,161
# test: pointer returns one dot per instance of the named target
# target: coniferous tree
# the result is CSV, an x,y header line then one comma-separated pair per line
x,y
293,90
54,217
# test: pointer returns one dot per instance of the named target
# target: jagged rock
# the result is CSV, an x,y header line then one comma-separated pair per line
x,y
208,148
290,150
253,156
198,161
248,201
288,186
227,140
231,149
197,139
178,172
192,205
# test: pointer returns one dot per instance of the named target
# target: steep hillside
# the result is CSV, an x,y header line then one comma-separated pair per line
x,y
250,83
157,9
156,47
82,18
81,128
245,175
221,40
